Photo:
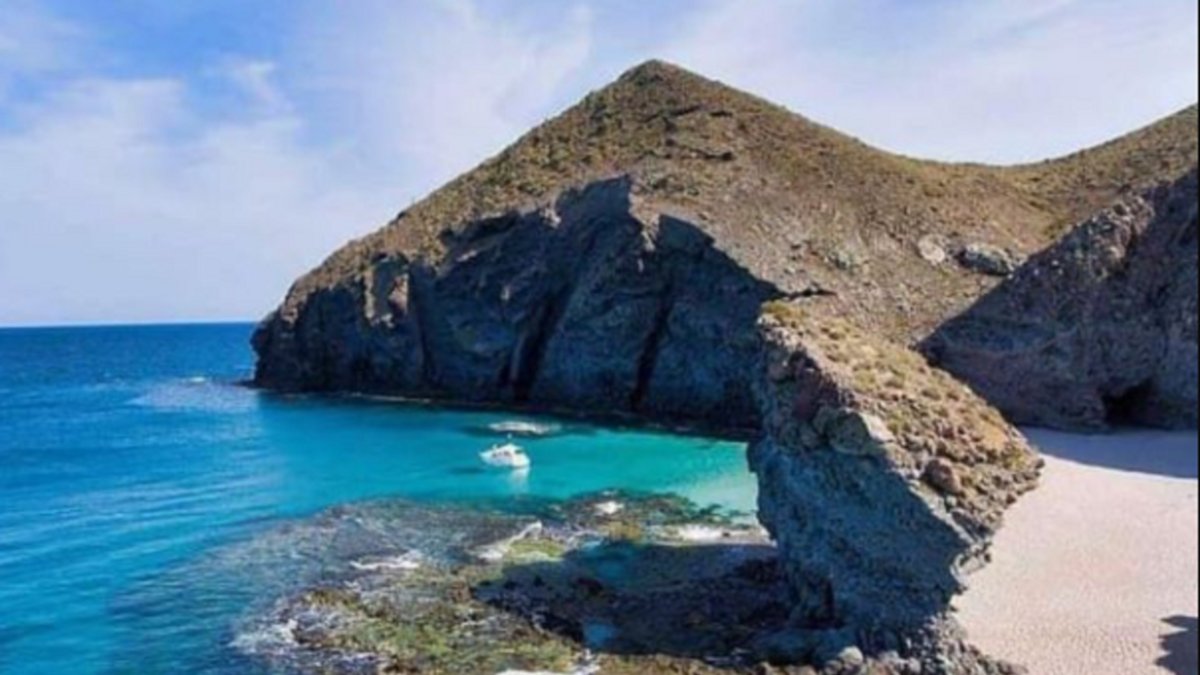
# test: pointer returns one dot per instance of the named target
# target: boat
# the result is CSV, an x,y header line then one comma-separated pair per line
x,y
508,455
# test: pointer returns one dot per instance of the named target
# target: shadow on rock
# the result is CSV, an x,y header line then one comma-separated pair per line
x,y
1098,330
585,304
1171,454
705,602
1180,646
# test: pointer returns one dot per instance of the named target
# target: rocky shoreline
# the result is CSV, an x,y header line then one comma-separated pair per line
x,y
882,483
609,583
624,583
609,419
673,250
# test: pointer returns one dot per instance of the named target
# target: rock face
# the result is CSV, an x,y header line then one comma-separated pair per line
x,y
589,304
612,260
1099,329
616,259
991,260
883,482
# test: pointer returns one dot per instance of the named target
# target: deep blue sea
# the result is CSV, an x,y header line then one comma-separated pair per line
x,y
138,483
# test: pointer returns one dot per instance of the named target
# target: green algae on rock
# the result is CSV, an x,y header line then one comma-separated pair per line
x,y
572,591
582,586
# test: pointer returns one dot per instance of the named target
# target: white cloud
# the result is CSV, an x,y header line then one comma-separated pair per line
x,y
194,195
431,89
987,80
120,203
256,80
133,199
34,43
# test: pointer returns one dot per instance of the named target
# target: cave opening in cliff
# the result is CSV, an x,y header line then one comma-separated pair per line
x,y
1128,407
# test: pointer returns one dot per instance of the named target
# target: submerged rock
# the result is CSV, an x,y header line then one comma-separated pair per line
x,y
1099,329
566,589
883,482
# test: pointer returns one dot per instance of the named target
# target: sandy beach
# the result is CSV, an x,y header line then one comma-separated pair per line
x,y
1096,572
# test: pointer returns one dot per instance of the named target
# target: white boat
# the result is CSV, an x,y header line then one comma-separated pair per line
x,y
508,455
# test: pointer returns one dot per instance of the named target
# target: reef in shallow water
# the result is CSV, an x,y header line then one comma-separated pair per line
x,y
610,583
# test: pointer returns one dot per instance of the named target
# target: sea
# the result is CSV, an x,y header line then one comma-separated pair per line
x,y
151,505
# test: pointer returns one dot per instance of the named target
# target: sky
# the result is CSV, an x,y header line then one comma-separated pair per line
x,y
186,160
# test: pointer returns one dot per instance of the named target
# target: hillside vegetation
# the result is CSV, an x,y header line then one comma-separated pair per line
x,y
614,259
788,198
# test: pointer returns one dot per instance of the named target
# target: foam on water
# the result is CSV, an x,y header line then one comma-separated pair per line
x,y
405,562
700,533
198,394
525,428
589,667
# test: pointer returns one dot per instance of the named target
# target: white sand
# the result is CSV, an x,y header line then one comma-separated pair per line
x,y
1096,572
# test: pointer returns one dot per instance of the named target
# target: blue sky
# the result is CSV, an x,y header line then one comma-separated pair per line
x,y
187,159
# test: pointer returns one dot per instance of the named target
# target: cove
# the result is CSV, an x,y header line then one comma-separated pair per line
x,y
131,465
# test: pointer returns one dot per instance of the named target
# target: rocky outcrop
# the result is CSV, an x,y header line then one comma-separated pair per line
x,y
883,481
990,260
591,303
612,260
615,260
1099,329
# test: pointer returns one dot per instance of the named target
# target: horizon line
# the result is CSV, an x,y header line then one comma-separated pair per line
x,y
151,323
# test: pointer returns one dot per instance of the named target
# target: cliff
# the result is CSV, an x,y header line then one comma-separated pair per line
x,y
883,481
1099,329
613,259
618,258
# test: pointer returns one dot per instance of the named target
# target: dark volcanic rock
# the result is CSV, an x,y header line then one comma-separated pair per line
x,y
883,482
612,259
588,304
1099,329
615,260
990,260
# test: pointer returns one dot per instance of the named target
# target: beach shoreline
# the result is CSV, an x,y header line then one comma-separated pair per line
x,y
1096,571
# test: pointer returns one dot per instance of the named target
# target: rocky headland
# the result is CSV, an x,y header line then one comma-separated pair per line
x,y
883,481
676,251
614,259
1097,330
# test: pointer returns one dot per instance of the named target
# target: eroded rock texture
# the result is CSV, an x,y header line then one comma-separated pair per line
x,y
883,482
612,259
589,305
666,209
1099,329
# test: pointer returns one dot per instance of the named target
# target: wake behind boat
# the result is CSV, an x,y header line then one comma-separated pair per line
x,y
506,456
524,428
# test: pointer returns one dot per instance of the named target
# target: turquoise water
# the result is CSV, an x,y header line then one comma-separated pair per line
x,y
134,475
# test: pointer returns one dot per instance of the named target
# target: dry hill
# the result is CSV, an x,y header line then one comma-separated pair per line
x,y
614,258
